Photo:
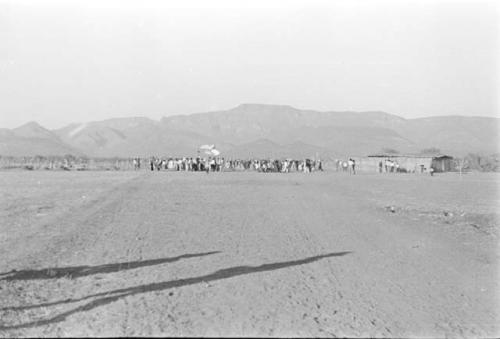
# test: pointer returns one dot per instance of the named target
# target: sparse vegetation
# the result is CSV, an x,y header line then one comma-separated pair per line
x,y
430,150
68,162
478,162
387,150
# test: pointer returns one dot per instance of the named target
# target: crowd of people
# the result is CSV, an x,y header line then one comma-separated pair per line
x,y
346,165
221,164
389,165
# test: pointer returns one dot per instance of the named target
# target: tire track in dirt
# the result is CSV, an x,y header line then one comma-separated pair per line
x,y
64,230
74,234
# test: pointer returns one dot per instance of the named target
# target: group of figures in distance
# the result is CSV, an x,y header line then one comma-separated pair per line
x,y
213,162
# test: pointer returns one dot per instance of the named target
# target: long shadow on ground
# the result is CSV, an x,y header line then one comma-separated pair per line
x,y
81,271
104,298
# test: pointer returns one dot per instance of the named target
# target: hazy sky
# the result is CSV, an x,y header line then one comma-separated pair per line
x,y
76,61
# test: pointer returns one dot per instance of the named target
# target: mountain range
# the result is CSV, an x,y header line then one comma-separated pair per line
x,y
257,130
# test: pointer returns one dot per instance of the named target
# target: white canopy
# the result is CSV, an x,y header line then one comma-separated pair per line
x,y
207,147
212,152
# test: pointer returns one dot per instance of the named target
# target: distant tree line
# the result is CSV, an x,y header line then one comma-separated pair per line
x,y
478,162
67,162
430,150
387,150
470,162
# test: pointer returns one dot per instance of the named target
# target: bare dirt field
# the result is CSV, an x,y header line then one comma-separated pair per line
x,y
249,254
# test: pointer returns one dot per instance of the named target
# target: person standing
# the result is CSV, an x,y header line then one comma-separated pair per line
x,y
345,166
350,163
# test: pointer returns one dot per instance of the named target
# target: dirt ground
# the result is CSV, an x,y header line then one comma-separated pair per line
x,y
249,254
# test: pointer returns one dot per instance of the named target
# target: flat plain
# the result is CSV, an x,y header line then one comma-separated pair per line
x,y
249,254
